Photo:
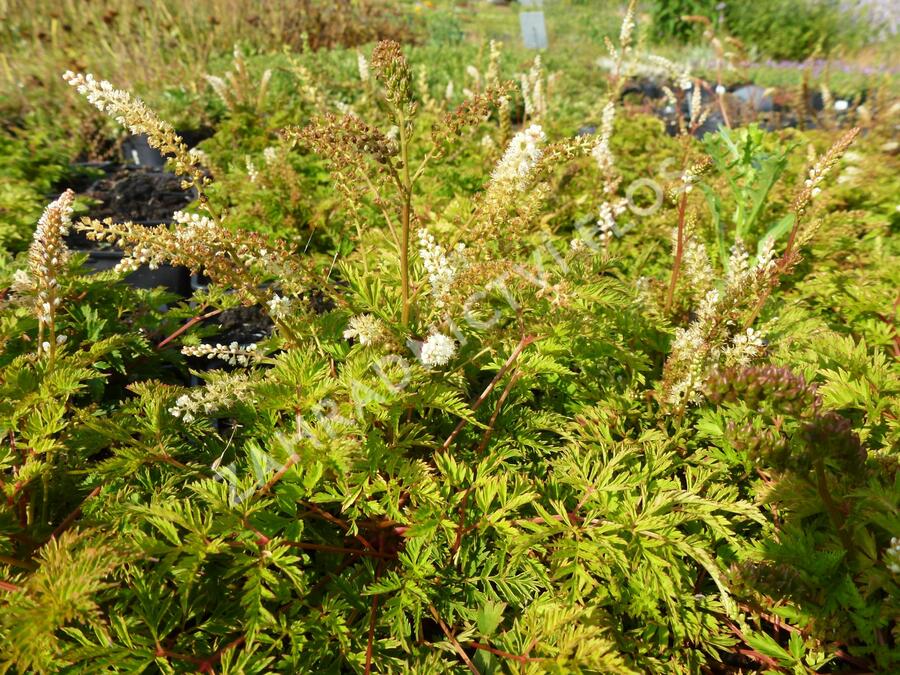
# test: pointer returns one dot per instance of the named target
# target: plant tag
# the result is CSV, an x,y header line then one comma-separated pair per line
x,y
534,30
532,3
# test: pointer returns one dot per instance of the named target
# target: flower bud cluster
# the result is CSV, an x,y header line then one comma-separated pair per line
x,y
233,354
805,433
710,341
437,350
368,330
221,393
442,268
764,390
238,259
280,307
46,257
777,386
820,169
392,70
133,114
520,158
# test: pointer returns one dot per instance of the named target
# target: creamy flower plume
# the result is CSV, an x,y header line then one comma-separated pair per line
x,y
367,329
223,392
132,113
532,86
362,64
46,257
441,267
606,223
601,150
521,155
437,350
233,354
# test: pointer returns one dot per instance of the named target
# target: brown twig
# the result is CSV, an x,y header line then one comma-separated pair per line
x,y
335,549
371,643
453,640
12,588
523,343
460,529
72,517
486,437
15,562
188,325
337,521
506,655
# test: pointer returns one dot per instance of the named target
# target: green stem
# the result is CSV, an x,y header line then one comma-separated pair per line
x,y
783,265
679,252
405,218
834,512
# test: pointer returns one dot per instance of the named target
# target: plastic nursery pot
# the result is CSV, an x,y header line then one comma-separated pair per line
x,y
173,279
136,148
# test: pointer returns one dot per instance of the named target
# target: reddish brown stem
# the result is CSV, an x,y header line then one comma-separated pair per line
x,y
486,437
371,643
206,666
523,343
335,549
337,521
12,588
453,640
188,325
481,447
72,517
506,655
679,252
293,459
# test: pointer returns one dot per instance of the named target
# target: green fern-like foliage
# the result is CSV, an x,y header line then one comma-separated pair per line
x,y
455,451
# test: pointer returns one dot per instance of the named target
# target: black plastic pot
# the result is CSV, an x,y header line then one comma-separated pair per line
x,y
174,279
136,150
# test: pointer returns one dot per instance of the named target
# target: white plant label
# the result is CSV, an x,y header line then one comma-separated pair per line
x,y
534,30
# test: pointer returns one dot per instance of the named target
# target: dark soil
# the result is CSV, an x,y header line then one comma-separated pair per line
x,y
243,325
136,194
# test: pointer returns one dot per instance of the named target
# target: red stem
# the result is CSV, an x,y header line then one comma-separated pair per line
x,y
523,343
72,517
371,643
188,325
506,655
679,252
